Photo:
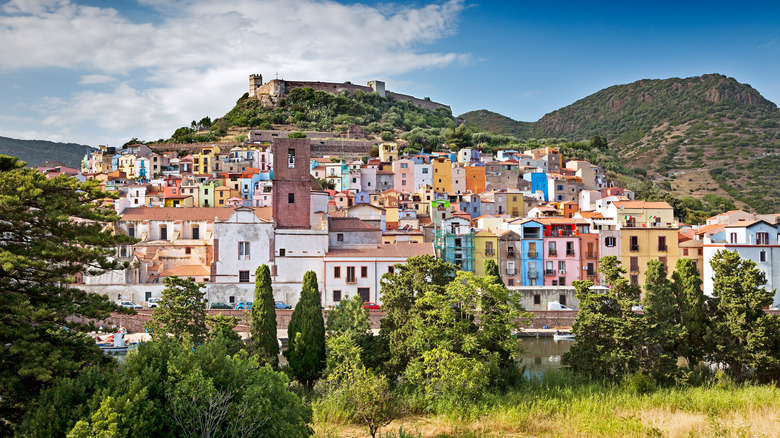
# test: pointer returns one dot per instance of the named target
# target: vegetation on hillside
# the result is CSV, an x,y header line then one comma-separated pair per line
x,y
671,127
37,152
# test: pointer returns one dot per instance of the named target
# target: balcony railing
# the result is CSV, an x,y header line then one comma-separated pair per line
x,y
552,253
590,255
570,253
634,248
662,248
532,274
549,272
511,272
532,254
489,252
634,268
510,254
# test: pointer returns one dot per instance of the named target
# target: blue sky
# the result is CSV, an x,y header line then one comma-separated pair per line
x,y
100,72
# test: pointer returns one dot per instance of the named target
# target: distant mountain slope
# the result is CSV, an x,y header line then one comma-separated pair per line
x,y
37,152
493,122
674,128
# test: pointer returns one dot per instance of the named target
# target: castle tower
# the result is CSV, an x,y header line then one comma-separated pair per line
x,y
291,183
255,81
378,87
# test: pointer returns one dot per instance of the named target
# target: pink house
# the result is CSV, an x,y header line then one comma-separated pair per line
x,y
403,171
561,253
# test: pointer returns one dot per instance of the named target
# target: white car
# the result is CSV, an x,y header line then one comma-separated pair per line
x,y
129,304
153,302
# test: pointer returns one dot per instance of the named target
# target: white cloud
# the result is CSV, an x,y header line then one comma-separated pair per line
x,y
197,60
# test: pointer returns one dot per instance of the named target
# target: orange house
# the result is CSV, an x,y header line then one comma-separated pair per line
x,y
475,179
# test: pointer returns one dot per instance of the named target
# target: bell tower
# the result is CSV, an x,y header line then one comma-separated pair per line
x,y
291,183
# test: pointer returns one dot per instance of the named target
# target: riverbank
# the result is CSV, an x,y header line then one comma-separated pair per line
x,y
556,406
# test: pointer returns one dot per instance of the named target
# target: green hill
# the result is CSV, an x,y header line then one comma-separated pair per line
x,y
37,152
700,135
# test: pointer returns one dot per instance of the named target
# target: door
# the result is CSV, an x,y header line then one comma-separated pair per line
x,y
365,293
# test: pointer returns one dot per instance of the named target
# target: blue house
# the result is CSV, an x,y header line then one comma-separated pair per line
x,y
531,245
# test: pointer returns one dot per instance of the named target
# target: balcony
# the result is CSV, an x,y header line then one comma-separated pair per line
x,y
662,248
510,254
511,272
569,253
590,255
591,277
634,268
532,254
633,248
489,252
549,272
552,253
532,274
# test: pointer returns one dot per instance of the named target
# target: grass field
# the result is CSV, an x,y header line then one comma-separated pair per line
x,y
558,406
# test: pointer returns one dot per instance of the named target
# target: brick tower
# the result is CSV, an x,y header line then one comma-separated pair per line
x,y
291,183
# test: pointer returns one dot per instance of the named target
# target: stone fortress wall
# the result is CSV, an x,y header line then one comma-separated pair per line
x,y
275,89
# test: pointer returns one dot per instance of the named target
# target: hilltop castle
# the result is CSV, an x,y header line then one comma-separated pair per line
x,y
275,89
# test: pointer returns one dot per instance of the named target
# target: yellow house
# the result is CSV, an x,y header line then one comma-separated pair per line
x,y
388,152
442,175
222,194
126,164
638,245
203,163
641,213
485,248
514,203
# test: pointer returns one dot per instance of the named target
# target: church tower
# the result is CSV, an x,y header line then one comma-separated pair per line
x,y
291,183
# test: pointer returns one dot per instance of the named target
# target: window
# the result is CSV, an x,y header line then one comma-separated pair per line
x,y
243,250
562,299
732,237
510,268
762,256
340,237
590,254
282,252
537,299
337,272
685,251
391,270
610,241
290,158
570,249
633,243
661,243
551,249
163,232
561,281
337,295
206,191
634,279
762,238
701,251
291,198
231,299
131,231
510,282
364,272
561,267
634,264
188,250
365,293
350,274
404,165
663,261
590,271
243,276
488,248
425,170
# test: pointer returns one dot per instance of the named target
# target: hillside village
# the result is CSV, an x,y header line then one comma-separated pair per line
x,y
218,213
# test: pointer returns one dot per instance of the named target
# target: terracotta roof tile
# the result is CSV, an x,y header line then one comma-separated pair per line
x,y
641,204
187,213
188,271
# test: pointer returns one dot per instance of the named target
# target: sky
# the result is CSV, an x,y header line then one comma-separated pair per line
x,y
101,72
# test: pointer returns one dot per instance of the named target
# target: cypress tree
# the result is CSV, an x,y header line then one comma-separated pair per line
x,y
263,330
693,311
491,268
306,333
662,324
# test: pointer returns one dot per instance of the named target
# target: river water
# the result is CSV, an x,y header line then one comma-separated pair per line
x,y
541,354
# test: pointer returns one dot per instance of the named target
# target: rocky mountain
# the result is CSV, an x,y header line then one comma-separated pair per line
x,y
698,135
37,152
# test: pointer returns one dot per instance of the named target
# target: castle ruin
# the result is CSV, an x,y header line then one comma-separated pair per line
x,y
275,89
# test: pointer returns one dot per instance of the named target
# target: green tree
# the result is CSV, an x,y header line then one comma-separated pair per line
x,y
327,184
263,330
181,311
52,228
662,323
400,291
491,269
692,313
306,333
609,334
741,330
350,318
103,424
222,328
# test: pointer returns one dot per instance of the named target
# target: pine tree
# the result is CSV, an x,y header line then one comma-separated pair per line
x,y
52,229
306,333
693,316
263,329
181,311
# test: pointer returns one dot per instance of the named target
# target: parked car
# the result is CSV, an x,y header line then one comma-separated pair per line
x,y
129,304
244,305
281,305
153,302
222,306
370,305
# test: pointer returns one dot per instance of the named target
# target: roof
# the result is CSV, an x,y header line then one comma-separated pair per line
x,y
188,271
400,250
591,215
342,224
708,228
748,224
561,220
187,213
641,204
